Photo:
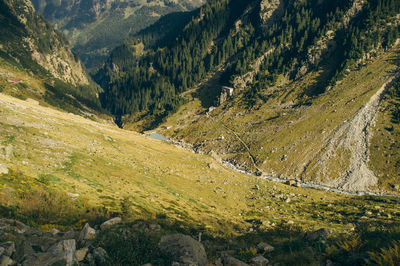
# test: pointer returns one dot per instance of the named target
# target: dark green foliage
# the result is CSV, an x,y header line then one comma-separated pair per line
x,y
370,30
174,62
64,95
152,83
96,27
394,94
132,245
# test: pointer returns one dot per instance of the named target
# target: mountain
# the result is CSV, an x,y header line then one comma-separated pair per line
x,y
37,61
287,89
252,93
95,27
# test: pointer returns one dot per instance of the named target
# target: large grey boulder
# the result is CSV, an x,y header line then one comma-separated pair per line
x,y
110,223
65,249
87,233
259,261
228,260
322,233
184,249
264,247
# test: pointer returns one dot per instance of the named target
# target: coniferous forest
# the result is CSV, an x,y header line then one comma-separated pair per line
x,y
181,49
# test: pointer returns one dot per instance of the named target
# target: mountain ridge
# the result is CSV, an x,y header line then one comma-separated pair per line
x,y
37,62
93,28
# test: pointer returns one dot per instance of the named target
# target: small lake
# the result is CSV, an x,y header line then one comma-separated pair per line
x,y
158,136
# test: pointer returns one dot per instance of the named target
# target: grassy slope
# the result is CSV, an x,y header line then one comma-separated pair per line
x,y
107,165
283,136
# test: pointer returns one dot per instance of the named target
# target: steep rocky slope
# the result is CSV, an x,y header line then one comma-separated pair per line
x,y
25,34
95,27
37,61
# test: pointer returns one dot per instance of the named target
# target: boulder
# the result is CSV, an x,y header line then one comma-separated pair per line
x,y
231,261
322,233
9,248
81,254
259,261
3,169
6,261
54,232
264,247
184,249
15,227
87,233
100,256
70,235
110,223
66,250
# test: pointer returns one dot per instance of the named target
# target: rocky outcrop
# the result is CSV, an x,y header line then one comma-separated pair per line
x,y
184,249
45,45
269,9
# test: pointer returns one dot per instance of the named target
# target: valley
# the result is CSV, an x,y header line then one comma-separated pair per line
x,y
94,29
208,133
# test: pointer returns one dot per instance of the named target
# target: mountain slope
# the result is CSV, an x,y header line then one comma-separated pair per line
x,y
305,76
93,28
38,63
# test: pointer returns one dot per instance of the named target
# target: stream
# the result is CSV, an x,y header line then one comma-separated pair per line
x,y
159,136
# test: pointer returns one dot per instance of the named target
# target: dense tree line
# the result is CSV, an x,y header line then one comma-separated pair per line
x,y
179,55
153,82
372,29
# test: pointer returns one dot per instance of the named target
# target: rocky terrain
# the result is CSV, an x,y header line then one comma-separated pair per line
x,y
29,35
37,62
29,246
276,140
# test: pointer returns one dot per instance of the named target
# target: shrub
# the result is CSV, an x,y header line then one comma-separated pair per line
x,y
387,256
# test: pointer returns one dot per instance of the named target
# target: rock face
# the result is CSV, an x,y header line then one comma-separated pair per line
x,y
45,46
66,250
269,8
184,249
87,233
